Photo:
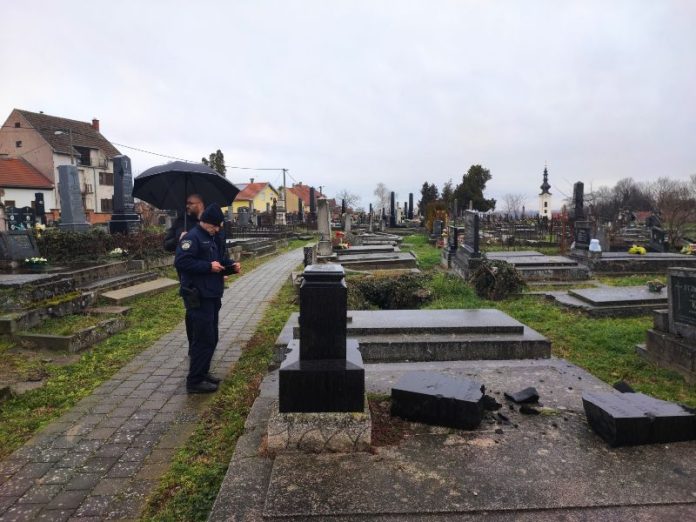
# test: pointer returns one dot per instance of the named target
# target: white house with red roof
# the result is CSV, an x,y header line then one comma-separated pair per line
x,y
45,142
20,181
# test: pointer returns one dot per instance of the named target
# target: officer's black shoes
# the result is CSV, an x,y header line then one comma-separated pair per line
x,y
202,387
209,377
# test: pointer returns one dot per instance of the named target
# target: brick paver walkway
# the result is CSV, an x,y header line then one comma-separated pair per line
x,y
100,459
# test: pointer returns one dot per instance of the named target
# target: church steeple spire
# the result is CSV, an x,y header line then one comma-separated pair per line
x,y
545,185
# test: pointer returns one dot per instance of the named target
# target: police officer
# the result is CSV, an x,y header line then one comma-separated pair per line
x,y
202,263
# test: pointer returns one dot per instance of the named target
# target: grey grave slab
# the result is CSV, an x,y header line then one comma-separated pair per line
x,y
529,261
513,254
369,249
428,335
546,464
635,418
626,295
375,322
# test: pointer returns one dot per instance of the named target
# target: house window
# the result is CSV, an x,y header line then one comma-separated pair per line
x,y
106,178
18,144
17,125
85,158
107,205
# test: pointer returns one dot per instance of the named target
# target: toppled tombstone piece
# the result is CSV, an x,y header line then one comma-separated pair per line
x,y
490,404
623,387
527,395
635,418
529,410
437,399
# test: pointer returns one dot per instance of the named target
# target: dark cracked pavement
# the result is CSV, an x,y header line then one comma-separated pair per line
x,y
101,459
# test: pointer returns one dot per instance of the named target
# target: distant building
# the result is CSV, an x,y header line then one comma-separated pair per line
x,y
299,192
545,197
258,196
20,182
45,142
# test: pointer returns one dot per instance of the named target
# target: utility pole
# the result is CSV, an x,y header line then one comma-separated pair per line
x,y
280,209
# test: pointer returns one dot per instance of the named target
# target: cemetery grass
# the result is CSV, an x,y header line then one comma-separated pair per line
x,y
427,257
70,378
603,346
187,491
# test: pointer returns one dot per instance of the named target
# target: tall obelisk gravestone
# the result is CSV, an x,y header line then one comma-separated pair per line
x,y
72,213
323,372
124,220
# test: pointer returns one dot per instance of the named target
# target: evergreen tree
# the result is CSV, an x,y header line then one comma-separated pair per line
x,y
429,193
216,161
471,189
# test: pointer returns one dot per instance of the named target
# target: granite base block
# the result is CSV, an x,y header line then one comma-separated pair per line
x,y
329,432
433,398
328,385
634,418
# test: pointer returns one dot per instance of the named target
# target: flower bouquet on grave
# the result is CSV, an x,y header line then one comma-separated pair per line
x,y
655,286
635,249
689,250
36,263
118,252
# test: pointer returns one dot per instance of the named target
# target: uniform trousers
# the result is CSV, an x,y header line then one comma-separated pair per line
x,y
203,325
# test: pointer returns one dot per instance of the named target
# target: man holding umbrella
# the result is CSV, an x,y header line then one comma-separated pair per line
x,y
202,265
194,209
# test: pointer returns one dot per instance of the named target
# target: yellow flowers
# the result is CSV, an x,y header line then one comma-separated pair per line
x,y
635,249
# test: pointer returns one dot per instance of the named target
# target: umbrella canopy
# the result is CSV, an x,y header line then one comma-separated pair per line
x,y
167,186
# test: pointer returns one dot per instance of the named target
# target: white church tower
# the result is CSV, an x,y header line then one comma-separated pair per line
x,y
545,197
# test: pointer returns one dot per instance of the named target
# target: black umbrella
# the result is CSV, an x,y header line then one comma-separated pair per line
x,y
167,186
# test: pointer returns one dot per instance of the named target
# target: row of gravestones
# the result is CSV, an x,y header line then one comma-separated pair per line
x,y
18,243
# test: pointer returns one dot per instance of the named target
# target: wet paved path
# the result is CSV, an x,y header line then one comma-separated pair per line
x,y
100,459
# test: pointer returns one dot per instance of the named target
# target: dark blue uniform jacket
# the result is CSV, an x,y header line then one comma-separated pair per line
x,y
194,254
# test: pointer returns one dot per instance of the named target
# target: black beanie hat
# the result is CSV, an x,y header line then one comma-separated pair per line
x,y
213,215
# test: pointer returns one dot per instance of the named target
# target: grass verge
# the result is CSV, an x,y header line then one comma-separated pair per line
x,y
187,491
603,346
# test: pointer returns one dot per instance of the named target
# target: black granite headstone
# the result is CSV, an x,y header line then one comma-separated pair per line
x,y
40,207
433,398
323,372
312,202
392,210
27,218
17,245
14,220
410,205
471,234
124,220
583,234
634,418
658,239
683,299
437,227
578,201
72,213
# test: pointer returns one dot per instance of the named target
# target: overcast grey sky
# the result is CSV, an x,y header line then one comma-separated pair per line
x,y
346,94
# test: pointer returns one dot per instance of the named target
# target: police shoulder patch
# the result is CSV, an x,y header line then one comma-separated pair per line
x,y
185,244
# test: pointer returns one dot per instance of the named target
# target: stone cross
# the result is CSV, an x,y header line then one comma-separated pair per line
x,y
72,213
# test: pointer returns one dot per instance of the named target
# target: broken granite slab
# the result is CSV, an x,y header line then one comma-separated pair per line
x,y
433,398
634,418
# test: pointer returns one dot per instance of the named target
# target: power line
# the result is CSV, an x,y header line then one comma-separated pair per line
x,y
189,161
